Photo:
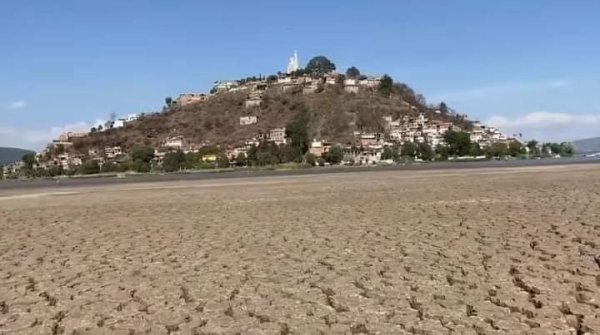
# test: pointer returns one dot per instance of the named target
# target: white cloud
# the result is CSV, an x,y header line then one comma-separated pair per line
x,y
37,139
17,104
550,126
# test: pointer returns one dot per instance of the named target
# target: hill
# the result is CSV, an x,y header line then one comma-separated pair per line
x,y
11,155
336,114
587,145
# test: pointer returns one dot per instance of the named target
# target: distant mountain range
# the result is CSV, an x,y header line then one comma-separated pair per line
x,y
588,145
11,155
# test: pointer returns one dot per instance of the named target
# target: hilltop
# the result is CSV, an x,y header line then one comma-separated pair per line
x,y
11,155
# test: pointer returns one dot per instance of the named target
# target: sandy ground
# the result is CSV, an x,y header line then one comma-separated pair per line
x,y
466,252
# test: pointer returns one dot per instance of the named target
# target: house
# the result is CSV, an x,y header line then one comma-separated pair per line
x,y
190,98
371,82
277,135
112,152
368,138
351,85
174,142
248,120
317,148
224,86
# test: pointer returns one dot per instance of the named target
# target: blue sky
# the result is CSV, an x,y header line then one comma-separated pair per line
x,y
527,66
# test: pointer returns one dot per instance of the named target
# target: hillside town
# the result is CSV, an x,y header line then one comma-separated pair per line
x,y
423,134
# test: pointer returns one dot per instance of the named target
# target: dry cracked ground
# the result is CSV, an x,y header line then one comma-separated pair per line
x,y
447,252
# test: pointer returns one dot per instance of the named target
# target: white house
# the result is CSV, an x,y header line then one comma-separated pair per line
x,y
248,120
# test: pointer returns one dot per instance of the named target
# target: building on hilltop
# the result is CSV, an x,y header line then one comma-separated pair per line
x,y
248,120
189,98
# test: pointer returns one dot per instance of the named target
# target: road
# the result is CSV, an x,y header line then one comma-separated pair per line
x,y
146,178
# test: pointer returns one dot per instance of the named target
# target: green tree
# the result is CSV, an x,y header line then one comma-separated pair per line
x,y
141,157
387,153
425,152
566,149
108,166
352,72
459,142
298,130
499,150
89,167
443,108
515,148
173,161
319,66
386,85
141,166
310,159
409,150
1,172
441,153
555,148
168,101
29,160
222,160
241,160
475,150
272,78
533,147
142,153
335,155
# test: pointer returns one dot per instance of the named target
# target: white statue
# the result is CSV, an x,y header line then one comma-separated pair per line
x,y
293,64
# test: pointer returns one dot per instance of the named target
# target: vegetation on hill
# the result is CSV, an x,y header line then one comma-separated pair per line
x,y
335,114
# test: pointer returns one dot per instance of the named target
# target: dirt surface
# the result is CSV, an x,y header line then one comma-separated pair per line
x,y
466,252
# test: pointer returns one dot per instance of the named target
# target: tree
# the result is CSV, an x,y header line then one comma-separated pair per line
x,y
385,85
240,160
1,172
441,153
108,166
409,150
319,66
93,130
459,143
142,153
566,149
271,78
387,153
168,101
298,130
555,148
28,160
443,108
141,157
499,150
352,72
515,148
89,167
475,150
173,161
310,159
141,166
222,160
335,155
533,147
425,152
